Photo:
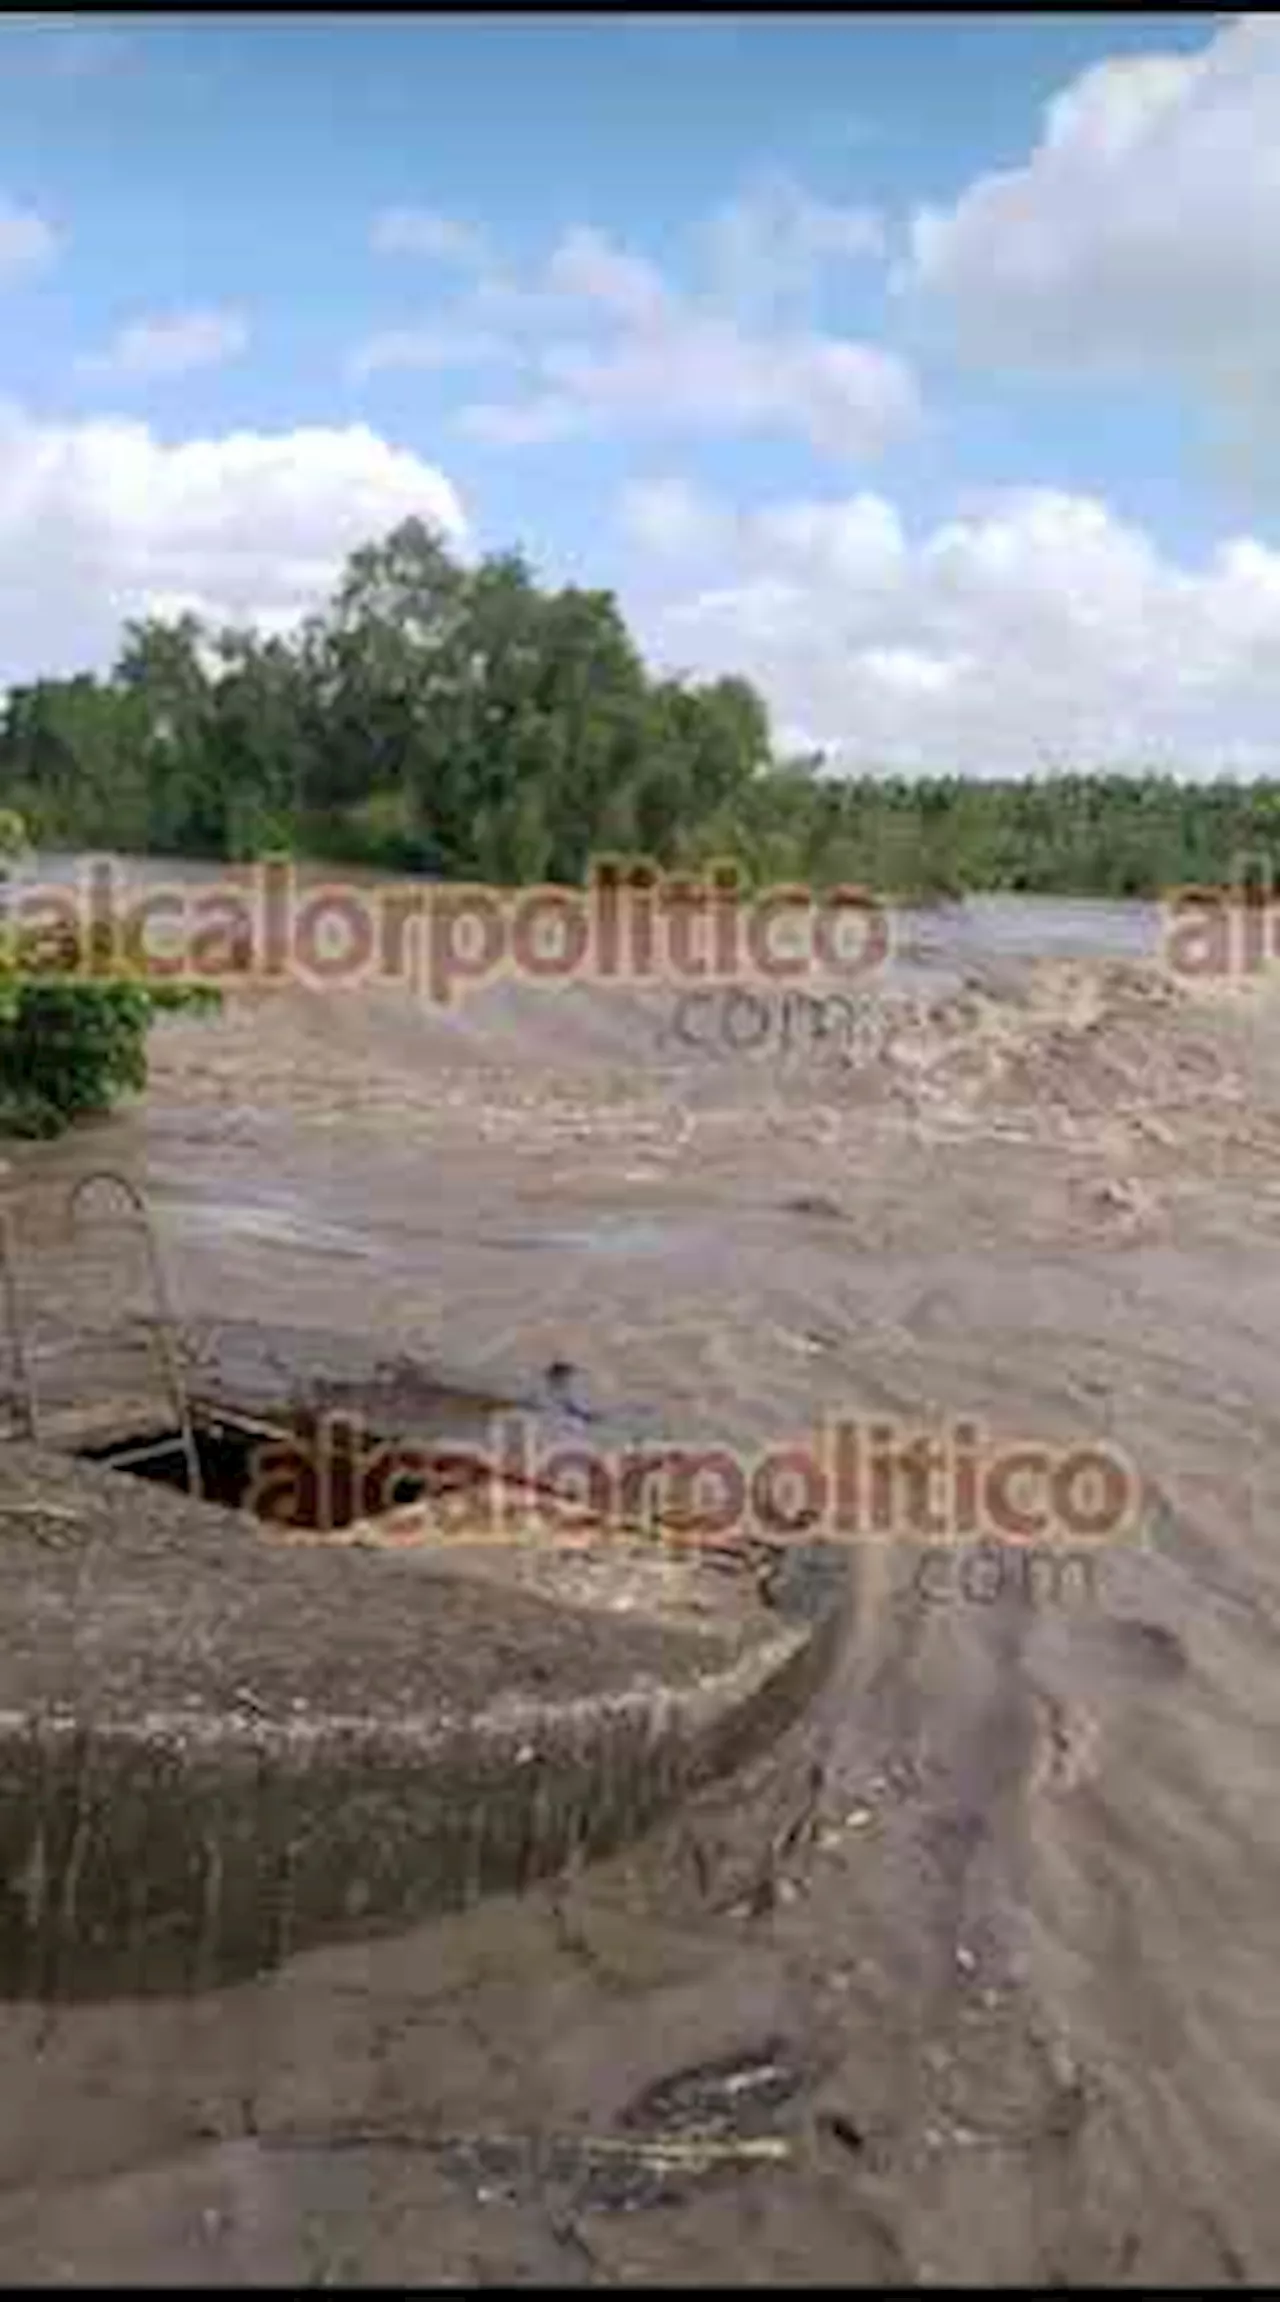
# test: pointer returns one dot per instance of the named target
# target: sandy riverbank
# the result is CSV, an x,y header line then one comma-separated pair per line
x,y
1009,1958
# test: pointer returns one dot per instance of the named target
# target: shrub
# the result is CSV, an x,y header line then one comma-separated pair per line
x,y
70,1043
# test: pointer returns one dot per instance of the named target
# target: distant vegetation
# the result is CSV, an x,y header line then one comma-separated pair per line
x,y
471,723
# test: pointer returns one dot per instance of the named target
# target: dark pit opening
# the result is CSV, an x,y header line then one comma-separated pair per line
x,y
225,1453
289,1477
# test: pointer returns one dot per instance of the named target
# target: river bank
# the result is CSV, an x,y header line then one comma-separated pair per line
x,y
994,1995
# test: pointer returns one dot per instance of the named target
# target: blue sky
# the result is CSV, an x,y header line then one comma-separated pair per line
x,y
922,368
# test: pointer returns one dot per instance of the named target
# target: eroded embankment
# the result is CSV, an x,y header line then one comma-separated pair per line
x,y
217,1750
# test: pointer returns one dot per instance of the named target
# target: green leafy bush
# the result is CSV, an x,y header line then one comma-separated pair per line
x,y
72,1039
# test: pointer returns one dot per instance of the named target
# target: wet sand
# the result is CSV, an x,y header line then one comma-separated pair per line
x,y
971,1978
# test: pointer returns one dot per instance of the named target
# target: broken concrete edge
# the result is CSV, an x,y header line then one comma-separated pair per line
x,y
186,1852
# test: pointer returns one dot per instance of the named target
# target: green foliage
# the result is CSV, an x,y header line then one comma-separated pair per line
x,y
935,838
461,721
72,1041
470,722
13,839
69,1049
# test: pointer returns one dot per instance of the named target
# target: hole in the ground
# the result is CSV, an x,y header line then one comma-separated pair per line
x,y
225,1453
288,1477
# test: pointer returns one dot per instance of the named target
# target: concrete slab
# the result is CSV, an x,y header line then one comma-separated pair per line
x,y
218,1747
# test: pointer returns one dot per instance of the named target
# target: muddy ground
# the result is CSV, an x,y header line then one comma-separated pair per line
x,y
974,1977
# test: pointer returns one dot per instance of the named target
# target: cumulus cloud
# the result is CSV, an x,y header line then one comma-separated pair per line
x,y
1036,629
27,241
602,340
169,344
693,372
100,520
644,357
1139,233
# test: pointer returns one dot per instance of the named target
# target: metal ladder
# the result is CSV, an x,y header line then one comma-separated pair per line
x,y
22,1396
162,1331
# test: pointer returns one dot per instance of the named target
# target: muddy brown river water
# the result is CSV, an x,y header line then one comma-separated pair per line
x,y
978,1978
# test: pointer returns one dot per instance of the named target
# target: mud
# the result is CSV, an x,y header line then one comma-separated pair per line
x,y
998,1911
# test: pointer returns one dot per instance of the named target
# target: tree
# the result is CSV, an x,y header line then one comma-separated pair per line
x,y
259,744
472,721
164,668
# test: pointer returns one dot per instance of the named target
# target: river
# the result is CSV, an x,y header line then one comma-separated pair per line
x,y
1019,1965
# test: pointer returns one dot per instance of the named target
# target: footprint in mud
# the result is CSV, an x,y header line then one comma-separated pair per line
x,y
1068,1737
1066,1750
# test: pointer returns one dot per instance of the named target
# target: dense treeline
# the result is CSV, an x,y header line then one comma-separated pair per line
x,y
468,722
461,721
1109,835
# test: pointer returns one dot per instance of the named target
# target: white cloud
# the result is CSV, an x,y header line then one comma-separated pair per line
x,y
704,373
1140,233
701,374
422,232
647,358
602,340
170,344
588,264
670,515
100,520
1036,628
27,241
767,248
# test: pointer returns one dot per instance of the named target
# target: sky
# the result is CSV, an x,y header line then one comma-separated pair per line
x,y
923,369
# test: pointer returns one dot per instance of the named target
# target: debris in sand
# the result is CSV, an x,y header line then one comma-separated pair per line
x,y
613,2171
843,2131
563,1383
723,2096
713,2119
693,2151
814,1203
800,1339
1125,1195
